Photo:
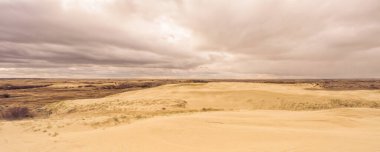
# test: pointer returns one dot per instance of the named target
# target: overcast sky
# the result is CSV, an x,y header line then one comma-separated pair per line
x,y
190,38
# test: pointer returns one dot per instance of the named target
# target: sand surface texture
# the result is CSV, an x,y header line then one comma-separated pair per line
x,y
238,117
243,131
222,96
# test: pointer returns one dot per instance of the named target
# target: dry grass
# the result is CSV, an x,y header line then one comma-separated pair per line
x,y
37,93
210,109
5,95
15,113
333,103
15,87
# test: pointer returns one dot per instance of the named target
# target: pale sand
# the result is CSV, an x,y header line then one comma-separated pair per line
x,y
343,130
221,96
109,124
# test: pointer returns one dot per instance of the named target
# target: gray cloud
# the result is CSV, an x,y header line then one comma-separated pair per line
x,y
190,38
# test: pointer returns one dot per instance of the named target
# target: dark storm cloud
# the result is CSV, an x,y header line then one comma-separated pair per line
x,y
214,38
45,32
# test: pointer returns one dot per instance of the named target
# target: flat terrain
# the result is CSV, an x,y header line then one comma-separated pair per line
x,y
212,116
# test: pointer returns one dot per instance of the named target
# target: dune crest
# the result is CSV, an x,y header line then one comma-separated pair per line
x,y
248,117
223,96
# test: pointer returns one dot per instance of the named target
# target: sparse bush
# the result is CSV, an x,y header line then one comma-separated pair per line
x,y
133,85
354,103
197,81
333,103
5,95
13,87
89,86
15,113
210,109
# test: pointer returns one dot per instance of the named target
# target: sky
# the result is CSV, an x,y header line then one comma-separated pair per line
x,y
239,39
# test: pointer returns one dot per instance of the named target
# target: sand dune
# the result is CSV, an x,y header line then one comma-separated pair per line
x,y
182,118
240,131
221,96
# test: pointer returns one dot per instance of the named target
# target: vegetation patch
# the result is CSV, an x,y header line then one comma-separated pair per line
x,y
5,95
15,113
15,87
333,103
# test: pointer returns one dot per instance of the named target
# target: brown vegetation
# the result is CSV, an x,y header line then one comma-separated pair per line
x,y
14,113
13,87
5,95
333,103
36,93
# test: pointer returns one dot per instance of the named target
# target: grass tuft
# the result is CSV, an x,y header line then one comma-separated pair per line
x,y
15,113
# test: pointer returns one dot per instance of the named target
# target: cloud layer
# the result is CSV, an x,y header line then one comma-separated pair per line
x,y
190,38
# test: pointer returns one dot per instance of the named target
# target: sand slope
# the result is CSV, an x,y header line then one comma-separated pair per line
x,y
221,96
115,123
239,131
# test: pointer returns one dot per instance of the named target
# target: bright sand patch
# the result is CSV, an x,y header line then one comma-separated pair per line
x,y
240,131
221,96
102,124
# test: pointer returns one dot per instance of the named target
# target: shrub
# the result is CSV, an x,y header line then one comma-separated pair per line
x,y
13,87
133,85
210,109
14,113
5,95
89,85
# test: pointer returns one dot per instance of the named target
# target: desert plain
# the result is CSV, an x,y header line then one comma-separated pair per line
x,y
189,115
